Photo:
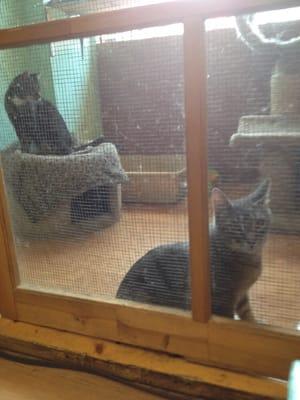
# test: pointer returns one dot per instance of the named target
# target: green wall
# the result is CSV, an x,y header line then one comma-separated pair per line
x,y
15,61
68,78
75,76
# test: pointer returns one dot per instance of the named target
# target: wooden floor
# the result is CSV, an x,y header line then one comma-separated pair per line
x,y
95,265
23,382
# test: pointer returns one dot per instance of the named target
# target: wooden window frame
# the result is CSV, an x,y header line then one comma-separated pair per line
x,y
200,337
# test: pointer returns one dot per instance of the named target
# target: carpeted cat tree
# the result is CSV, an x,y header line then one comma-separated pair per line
x,y
277,135
63,195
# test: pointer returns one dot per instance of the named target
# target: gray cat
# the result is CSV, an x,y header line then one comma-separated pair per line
x,y
237,236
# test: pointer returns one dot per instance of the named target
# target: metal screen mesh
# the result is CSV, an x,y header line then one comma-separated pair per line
x,y
82,214
254,131
15,13
95,171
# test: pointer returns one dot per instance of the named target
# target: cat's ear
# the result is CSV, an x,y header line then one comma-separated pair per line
x,y
261,196
219,200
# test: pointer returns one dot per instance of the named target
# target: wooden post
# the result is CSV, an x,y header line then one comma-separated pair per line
x,y
196,139
130,18
8,269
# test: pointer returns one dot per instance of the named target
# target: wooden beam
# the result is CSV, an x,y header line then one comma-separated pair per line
x,y
197,166
269,350
131,18
8,263
221,342
146,326
136,365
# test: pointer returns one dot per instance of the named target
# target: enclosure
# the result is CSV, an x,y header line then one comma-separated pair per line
x,y
186,96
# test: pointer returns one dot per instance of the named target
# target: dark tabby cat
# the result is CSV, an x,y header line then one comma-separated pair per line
x,y
37,122
237,236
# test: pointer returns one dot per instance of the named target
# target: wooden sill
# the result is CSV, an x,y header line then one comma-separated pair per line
x,y
135,365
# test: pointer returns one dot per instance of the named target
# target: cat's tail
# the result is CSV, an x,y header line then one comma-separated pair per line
x,y
93,143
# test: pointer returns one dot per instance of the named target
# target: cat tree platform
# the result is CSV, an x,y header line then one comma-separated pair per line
x,y
74,194
278,137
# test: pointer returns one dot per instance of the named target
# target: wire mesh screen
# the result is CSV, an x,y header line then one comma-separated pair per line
x,y
254,131
93,152
20,13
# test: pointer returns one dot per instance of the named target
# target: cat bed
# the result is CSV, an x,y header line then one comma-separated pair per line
x,y
53,194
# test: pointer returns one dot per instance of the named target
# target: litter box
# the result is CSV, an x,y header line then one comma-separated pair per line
x,y
157,179
154,178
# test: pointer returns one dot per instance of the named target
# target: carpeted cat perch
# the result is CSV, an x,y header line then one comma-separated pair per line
x,y
52,195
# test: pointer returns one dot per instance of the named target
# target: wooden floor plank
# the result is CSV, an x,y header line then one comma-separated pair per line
x,y
24,382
